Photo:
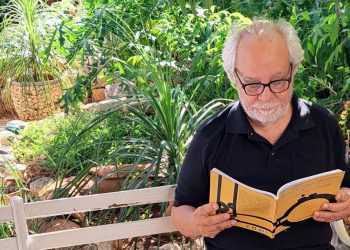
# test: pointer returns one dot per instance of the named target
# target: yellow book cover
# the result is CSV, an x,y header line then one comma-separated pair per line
x,y
270,214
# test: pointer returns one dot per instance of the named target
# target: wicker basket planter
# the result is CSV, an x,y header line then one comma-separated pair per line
x,y
36,102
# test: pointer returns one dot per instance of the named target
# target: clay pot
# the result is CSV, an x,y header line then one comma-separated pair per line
x,y
98,94
58,225
111,178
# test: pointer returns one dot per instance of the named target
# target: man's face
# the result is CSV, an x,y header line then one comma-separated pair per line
x,y
263,60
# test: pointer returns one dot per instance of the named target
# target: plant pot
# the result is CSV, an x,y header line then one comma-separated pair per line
x,y
6,104
36,102
111,178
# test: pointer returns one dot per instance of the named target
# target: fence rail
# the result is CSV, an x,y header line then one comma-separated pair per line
x,y
19,212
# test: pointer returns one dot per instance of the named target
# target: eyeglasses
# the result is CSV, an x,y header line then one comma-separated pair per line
x,y
276,86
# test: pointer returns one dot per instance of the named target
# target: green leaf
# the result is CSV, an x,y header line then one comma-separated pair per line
x,y
334,31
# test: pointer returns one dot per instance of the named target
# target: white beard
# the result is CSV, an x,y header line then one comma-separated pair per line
x,y
265,113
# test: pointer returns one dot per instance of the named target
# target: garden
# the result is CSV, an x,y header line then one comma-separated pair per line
x,y
105,95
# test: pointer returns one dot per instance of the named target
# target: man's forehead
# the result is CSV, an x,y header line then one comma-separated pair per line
x,y
269,52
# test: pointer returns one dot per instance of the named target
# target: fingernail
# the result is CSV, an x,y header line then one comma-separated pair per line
x,y
233,222
325,206
215,206
226,216
317,214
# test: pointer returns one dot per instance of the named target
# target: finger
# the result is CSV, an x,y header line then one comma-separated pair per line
x,y
208,209
217,228
215,219
325,216
342,196
336,207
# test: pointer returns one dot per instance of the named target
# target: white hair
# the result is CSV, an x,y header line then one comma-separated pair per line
x,y
259,28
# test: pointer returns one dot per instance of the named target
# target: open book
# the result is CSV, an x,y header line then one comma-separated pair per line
x,y
270,214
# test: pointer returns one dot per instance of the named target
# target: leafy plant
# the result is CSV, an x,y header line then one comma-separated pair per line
x,y
27,42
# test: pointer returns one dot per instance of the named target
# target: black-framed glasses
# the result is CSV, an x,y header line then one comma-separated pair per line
x,y
276,86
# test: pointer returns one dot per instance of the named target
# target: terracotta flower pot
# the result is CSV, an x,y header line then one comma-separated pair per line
x,y
111,178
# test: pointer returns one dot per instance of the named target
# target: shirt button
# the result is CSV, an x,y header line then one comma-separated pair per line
x,y
273,153
251,133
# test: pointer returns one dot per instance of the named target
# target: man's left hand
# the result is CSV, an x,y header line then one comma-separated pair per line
x,y
335,211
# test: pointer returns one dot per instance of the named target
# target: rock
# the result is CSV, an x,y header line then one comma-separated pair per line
x,y
170,246
7,157
58,225
5,150
21,124
114,90
37,185
48,190
110,245
7,197
6,138
198,244
105,105
20,167
121,170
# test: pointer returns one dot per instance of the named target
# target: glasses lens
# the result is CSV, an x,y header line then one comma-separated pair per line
x,y
279,86
254,89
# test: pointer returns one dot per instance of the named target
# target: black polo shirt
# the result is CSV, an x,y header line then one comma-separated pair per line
x,y
312,143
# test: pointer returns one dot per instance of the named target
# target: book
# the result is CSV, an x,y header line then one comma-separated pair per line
x,y
270,214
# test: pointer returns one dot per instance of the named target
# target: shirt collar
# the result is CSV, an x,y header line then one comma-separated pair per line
x,y
237,122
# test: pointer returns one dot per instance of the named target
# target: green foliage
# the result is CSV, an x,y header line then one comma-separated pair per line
x,y
324,77
195,42
50,138
27,42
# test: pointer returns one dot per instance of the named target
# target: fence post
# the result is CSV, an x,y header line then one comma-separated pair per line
x,y
19,218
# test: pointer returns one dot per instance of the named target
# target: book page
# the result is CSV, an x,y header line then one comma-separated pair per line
x,y
300,201
253,209
306,179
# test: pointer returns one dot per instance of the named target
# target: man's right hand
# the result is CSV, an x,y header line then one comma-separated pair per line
x,y
209,224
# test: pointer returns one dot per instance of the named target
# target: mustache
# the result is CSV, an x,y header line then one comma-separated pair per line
x,y
265,105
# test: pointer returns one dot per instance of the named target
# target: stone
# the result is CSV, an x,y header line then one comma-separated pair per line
x,y
5,150
47,191
58,225
6,137
8,157
113,171
114,90
198,244
15,126
20,167
7,197
169,246
37,185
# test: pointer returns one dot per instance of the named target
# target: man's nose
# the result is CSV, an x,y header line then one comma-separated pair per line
x,y
266,94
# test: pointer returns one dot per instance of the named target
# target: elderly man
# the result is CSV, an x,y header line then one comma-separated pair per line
x,y
265,139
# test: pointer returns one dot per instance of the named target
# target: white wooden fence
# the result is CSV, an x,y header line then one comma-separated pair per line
x,y
19,212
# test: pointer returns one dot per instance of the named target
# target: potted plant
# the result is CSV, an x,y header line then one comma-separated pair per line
x,y
29,57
